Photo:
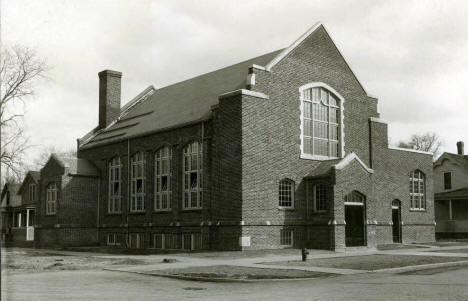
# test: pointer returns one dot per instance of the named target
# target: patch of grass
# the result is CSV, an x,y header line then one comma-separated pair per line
x,y
370,262
242,273
451,251
398,247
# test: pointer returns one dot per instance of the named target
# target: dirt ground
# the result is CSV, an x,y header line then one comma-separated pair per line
x,y
31,260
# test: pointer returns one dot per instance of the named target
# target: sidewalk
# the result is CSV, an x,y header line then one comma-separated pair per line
x,y
258,262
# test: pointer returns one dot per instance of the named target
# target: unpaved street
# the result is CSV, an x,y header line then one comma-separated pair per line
x,y
107,285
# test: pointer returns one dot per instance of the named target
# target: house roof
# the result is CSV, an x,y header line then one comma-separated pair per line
x,y
76,166
15,199
34,175
461,160
461,193
177,104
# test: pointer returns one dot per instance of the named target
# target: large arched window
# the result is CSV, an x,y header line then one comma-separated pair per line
x,y
115,185
417,190
162,179
51,199
192,181
286,193
321,112
137,192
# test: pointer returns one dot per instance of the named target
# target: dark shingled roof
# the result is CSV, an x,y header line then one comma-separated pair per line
x,y
178,104
461,193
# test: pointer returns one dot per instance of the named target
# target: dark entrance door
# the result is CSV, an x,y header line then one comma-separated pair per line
x,y
354,229
396,220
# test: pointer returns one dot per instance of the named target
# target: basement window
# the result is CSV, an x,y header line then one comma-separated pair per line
x,y
286,237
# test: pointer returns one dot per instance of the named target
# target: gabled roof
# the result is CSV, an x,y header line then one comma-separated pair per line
x,y
178,104
325,167
75,166
189,101
296,43
461,160
15,199
33,175
461,193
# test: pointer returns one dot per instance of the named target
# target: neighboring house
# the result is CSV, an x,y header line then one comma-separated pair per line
x,y
451,194
66,212
29,194
13,218
282,150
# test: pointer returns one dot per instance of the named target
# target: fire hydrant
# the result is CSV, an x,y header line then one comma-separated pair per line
x,y
304,254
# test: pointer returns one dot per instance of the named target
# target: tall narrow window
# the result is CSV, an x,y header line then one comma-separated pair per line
x,y
417,190
115,186
286,193
137,196
192,181
321,197
321,123
162,179
32,192
51,199
447,180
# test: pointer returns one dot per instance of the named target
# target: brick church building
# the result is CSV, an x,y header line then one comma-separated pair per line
x,y
283,150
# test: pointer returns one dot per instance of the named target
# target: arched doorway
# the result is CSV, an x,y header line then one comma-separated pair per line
x,y
396,220
355,212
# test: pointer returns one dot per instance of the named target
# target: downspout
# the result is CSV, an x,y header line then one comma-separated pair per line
x,y
128,192
98,205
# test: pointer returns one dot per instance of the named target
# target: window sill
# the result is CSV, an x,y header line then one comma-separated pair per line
x,y
418,210
191,209
316,157
286,208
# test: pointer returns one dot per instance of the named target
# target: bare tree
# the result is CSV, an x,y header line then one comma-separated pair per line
x,y
45,153
20,71
428,142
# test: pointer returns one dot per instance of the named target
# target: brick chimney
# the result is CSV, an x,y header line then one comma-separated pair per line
x,y
109,96
460,148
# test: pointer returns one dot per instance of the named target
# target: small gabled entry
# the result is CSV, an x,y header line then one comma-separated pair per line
x,y
355,229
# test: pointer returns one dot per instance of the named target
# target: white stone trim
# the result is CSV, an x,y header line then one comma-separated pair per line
x,y
411,150
375,119
372,96
244,92
286,51
348,159
301,108
250,80
254,66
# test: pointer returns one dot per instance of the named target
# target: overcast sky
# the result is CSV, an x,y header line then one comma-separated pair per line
x,y
412,55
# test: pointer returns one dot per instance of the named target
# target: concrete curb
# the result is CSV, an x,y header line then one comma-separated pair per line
x,y
422,267
206,279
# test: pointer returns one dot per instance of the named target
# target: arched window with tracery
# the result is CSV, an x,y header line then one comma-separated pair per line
x,y
321,116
